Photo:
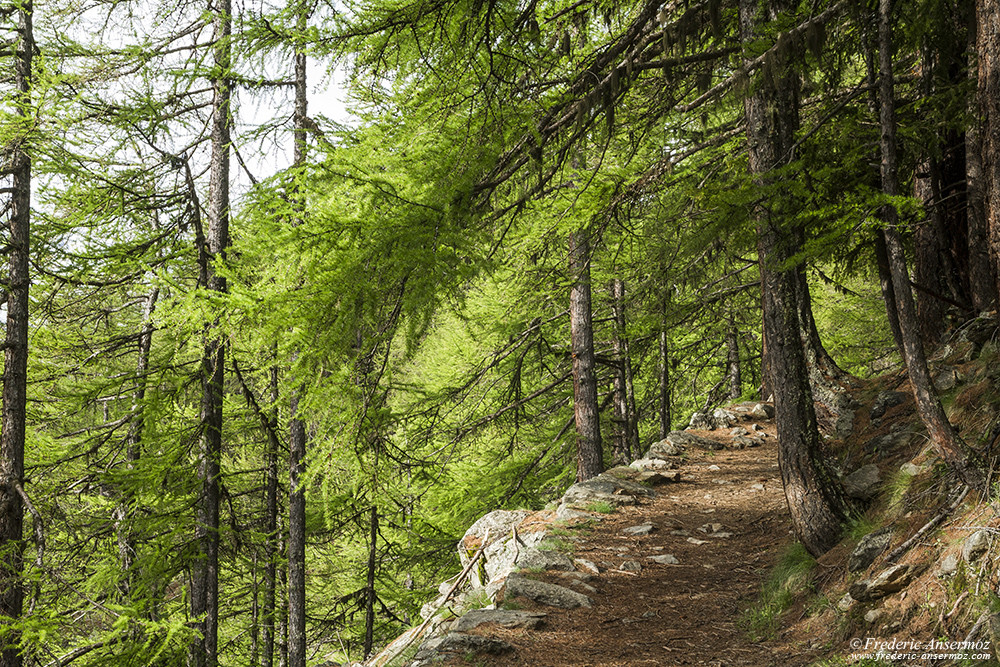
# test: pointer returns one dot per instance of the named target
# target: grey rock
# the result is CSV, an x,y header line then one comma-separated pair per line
x,y
456,643
976,545
652,464
665,559
910,469
947,380
537,559
724,418
683,440
863,483
874,616
869,547
663,449
844,604
605,488
993,628
582,586
631,566
566,512
743,442
587,566
886,400
887,582
980,330
702,421
709,528
552,595
643,529
762,411
756,427
507,618
948,566
738,431
491,527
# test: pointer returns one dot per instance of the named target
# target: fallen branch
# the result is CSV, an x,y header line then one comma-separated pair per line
x,y
929,526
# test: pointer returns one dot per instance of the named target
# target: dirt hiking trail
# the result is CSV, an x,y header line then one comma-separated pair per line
x,y
726,525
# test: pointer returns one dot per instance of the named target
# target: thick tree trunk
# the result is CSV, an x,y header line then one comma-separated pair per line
x,y
988,95
590,459
15,371
626,427
944,438
814,499
204,651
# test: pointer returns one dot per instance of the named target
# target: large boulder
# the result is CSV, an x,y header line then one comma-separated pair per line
x,y
886,400
605,488
663,449
457,645
507,618
496,529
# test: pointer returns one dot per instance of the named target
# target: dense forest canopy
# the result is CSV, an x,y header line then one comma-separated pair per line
x,y
248,410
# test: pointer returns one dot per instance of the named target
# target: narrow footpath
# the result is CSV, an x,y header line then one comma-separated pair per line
x,y
725,524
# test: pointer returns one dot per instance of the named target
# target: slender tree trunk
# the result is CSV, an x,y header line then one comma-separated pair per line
x,y
888,291
15,371
124,513
626,432
297,430
664,402
734,371
988,95
590,460
814,498
370,587
269,610
946,441
204,651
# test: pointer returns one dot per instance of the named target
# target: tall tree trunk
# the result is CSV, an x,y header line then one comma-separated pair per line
x,y
814,498
734,371
204,650
664,397
370,584
982,281
888,291
590,459
944,438
297,430
269,611
988,95
124,513
15,372
626,431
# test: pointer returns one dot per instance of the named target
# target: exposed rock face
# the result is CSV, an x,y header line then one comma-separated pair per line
x,y
863,483
887,582
454,644
605,488
545,593
491,527
537,559
702,421
507,618
663,449
869,547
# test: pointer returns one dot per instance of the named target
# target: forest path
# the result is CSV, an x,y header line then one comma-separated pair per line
x,y
684,614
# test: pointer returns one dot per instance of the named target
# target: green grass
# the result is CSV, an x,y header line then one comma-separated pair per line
x,y
600,507
788,578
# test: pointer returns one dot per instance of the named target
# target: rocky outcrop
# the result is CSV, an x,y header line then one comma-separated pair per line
x,y
552,595
869,547
863,483
887,582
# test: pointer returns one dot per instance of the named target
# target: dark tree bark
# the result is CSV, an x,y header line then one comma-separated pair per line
x,y
814,498
944,438
124,513
734,371
626,426
590,458
988,96
664,397
204,651
982,281
888,292
297,430
269,611
370,584
15,373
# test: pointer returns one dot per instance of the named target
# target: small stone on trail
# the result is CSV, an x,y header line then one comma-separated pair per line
x,y
739,430
631,566
665,559
756,487
696,541
710,528
644,529
714,467
587,566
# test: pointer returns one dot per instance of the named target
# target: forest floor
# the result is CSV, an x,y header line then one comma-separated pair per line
x,y
684,614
